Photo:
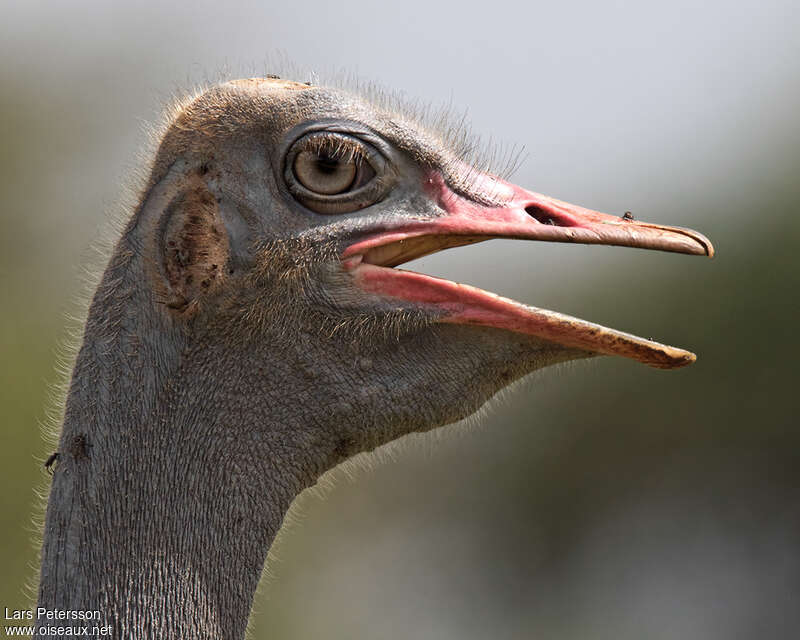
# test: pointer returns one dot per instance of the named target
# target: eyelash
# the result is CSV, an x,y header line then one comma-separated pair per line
x,y
335,146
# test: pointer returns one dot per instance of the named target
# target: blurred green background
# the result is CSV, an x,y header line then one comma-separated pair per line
x,y
597,500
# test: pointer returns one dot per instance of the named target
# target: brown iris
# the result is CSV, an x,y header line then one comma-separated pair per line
x,y
324,173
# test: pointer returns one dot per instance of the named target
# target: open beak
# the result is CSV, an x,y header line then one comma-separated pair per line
x,y
523,215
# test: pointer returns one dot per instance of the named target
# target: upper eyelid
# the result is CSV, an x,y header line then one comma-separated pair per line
x,y
353,129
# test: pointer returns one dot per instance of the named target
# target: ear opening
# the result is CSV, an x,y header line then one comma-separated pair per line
x,y
193,246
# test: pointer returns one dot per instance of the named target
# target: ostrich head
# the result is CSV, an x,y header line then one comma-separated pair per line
x,y
279,214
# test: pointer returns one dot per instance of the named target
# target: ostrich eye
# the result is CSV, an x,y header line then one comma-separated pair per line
x,y
333,173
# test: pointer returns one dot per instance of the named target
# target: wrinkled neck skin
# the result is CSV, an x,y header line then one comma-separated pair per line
x,y
180,455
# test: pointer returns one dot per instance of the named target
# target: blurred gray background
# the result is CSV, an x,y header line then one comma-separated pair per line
x,y
599,500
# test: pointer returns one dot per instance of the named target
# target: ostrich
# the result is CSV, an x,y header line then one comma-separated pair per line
x,y
251,331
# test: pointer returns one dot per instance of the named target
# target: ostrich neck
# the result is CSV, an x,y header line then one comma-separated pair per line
x,y
171,481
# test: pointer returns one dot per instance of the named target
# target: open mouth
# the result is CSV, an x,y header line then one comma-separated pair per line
x,y
529,216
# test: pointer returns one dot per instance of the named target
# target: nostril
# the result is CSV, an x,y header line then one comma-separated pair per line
x,y
548,216
539,214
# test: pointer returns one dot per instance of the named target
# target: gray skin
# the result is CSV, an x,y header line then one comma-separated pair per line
x,y
221,375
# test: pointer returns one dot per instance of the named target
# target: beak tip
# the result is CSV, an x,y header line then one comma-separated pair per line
x,y
706,248
677,360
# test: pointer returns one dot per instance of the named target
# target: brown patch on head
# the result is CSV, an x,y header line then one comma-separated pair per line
x,y
268,83
78,447
194,246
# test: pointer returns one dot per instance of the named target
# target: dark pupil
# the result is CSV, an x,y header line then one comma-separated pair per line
x,y
327,164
